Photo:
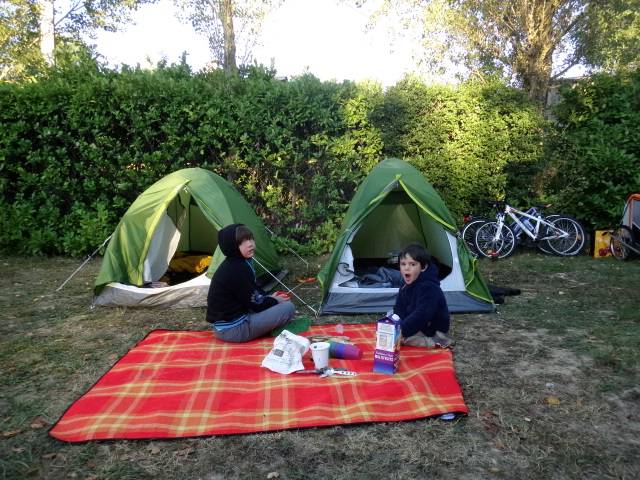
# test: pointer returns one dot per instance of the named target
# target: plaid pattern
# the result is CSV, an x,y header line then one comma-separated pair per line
x,y
177,384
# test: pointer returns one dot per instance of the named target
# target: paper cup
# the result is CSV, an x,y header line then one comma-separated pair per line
x,y
320,354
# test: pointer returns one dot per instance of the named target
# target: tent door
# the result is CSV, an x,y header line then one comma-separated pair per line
x,y
392,225
161,249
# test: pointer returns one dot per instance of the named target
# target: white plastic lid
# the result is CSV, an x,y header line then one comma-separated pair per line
x,y
395,317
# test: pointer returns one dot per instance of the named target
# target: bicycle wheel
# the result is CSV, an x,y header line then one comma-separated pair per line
x,y
468,233
621,238
542,246
571,244
491,245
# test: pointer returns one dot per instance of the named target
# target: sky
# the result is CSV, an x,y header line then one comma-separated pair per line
x,y
327,38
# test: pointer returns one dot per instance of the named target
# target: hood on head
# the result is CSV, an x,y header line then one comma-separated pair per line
x,y
227,241
430,274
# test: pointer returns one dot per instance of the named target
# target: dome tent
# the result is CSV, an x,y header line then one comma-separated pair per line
x,y
182,212
393,207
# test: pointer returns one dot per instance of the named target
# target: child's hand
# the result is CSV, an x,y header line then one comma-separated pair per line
x,y
281,296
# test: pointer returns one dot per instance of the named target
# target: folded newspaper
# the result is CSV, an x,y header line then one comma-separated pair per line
x,y
286,354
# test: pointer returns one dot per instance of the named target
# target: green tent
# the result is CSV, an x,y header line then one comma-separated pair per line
x,y
393,207
182,212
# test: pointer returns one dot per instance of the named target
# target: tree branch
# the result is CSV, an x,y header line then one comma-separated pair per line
x,y
562,33
78,6
564,70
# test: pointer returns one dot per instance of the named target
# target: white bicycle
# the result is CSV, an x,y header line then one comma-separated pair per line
x,y
558,234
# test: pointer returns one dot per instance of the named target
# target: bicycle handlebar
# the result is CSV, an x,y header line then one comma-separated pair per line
x,y
501,204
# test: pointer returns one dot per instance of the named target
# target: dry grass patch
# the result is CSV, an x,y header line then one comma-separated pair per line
x,y
551,382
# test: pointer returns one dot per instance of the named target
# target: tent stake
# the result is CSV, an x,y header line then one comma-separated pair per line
x,y
315,312
84,263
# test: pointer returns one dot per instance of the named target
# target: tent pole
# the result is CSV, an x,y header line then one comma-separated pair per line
x,y
290,249
84,263
315,312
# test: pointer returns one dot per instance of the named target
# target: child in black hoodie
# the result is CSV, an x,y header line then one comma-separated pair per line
x,y
420,304
238,309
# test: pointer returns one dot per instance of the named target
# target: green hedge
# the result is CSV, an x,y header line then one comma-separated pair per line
x,y
480,141
79,146
595,157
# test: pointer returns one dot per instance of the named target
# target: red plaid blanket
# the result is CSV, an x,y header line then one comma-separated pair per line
x,y
187,383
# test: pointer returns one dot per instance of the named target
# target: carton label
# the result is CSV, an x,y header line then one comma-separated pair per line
x,y
386,328
385,341
385,362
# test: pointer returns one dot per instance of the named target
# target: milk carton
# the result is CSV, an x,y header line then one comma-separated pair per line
x,y
387,354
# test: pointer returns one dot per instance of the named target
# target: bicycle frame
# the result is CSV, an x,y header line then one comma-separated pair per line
x,y
531,231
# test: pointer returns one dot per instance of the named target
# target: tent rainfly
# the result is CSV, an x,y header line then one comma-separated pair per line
x,y
182,212
393,207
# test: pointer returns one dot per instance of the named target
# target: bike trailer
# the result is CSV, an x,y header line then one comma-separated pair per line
x,y
631,213
625,240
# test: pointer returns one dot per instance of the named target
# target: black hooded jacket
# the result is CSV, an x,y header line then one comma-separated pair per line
x,y
233,291
422,306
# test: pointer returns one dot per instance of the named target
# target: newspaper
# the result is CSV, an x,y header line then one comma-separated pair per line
x,y
286,354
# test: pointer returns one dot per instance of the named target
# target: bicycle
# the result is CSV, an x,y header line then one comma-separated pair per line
x,y
557,234
469,229
623,244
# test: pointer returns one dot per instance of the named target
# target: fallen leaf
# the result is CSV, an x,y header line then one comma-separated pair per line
x,y
11,433
579,402
184,452
306,279
552,400
499,445
18,449
39,422
154,449
273,475
489,422
527,419
50,456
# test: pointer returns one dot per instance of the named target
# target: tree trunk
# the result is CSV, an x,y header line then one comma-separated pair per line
x,y
226,17
536,56
536,77
47,31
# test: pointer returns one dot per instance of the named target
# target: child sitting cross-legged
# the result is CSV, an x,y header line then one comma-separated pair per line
x,y
420,304
238,309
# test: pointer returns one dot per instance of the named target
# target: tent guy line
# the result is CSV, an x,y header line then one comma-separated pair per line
x,y
84,263
315,312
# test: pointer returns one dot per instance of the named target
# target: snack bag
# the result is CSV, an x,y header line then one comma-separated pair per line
x,y
286,354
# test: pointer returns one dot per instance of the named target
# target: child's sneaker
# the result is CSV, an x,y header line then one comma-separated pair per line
x,y
419,340
443,340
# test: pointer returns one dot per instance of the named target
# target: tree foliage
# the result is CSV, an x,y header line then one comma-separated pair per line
x,y
19,35
595,157
610,37
21,56
529,42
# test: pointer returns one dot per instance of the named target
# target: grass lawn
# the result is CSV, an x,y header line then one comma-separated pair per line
x,y
551,380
